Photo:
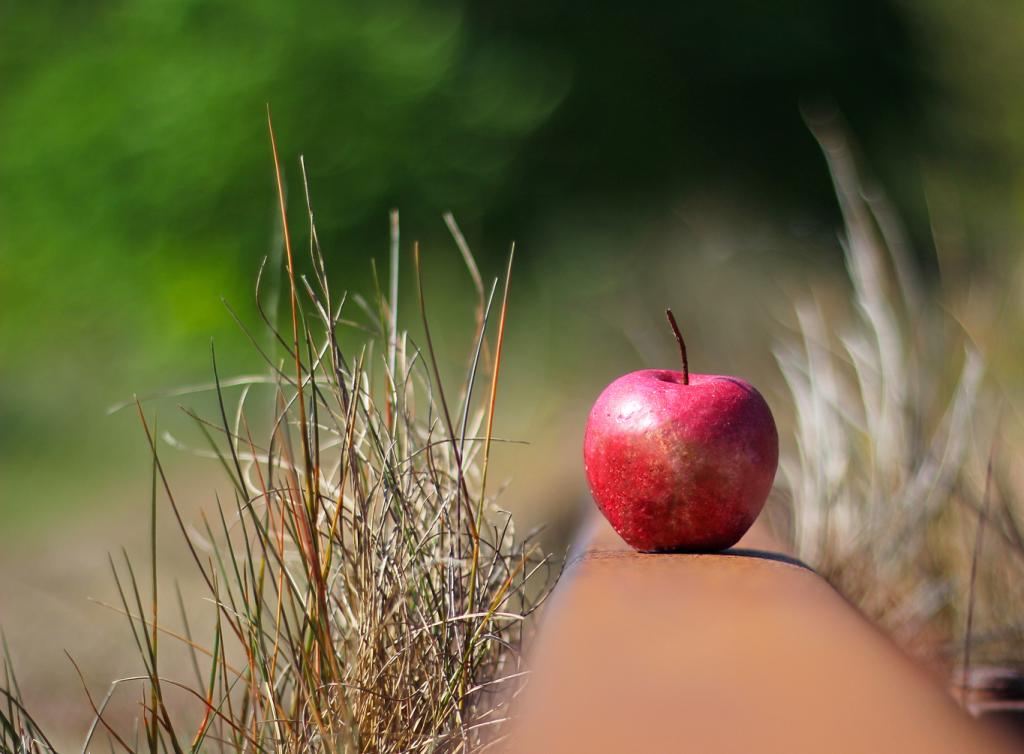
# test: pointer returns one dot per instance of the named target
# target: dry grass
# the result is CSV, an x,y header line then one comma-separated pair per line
x,y
367,594
900,486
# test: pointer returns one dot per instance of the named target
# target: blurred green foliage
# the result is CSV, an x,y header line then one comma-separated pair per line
x,y
135,175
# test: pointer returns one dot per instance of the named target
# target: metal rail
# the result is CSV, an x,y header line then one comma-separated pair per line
x,y
747,651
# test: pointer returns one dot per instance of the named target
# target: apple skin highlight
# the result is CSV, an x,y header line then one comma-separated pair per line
x,y
676,466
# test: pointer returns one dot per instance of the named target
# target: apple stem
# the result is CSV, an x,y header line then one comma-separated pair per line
x,y
682,345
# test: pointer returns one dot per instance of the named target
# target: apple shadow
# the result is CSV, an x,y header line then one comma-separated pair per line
x,y
740,552
778,557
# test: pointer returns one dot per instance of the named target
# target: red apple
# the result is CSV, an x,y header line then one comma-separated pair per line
x,y
678,461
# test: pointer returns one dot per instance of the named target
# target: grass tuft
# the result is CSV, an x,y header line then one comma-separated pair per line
x,y
897,426
367,593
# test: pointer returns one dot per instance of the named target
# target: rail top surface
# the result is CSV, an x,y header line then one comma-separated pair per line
x,y
745,651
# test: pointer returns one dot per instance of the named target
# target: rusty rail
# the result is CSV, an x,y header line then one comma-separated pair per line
x,y
746,651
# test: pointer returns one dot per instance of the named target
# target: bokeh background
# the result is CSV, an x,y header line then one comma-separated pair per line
x,y
640,154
